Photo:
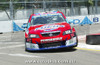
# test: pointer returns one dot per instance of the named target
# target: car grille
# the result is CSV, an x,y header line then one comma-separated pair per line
x,y
54,44
50,34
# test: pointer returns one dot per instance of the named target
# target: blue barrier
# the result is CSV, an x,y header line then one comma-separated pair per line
x,y
76,21
16,27
86,21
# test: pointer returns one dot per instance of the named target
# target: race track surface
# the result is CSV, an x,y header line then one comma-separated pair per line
x,y
14,54
12,51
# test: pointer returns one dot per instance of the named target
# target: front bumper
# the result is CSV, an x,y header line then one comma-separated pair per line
x,y
66,43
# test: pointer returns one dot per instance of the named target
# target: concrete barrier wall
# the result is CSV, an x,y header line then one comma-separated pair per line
x,y
20,22
6,26
92,18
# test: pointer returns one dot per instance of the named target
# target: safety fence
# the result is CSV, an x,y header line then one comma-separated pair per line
x,y
22,9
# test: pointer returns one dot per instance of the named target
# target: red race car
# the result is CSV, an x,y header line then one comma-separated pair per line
x,y
49,30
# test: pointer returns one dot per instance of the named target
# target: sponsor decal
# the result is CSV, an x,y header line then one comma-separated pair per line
x,y
46,14
86,20
53,39
49,27
95,19
76,21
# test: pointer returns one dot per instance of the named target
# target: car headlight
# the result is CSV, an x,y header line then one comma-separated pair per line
x,y
33,36
67,32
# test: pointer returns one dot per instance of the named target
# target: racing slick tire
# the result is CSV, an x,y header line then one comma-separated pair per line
x,y
93,39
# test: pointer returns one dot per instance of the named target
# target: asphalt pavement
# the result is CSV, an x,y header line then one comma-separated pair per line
x,y
14,54
12,51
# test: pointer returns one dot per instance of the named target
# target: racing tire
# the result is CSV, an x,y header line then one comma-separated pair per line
x,y
1,33
93,39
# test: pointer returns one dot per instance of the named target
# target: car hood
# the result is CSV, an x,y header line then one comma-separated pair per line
x,y
48,28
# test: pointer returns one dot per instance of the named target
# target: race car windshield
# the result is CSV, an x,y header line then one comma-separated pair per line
x,y
47,19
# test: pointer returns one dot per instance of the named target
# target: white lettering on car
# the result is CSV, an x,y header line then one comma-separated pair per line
x,y
53,39
50,27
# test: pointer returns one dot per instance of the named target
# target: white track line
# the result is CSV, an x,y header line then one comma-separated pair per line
x,y
84,45
13,46
25,55
11,42
21,55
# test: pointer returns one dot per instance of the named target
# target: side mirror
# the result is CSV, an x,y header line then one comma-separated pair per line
x,y
24,25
